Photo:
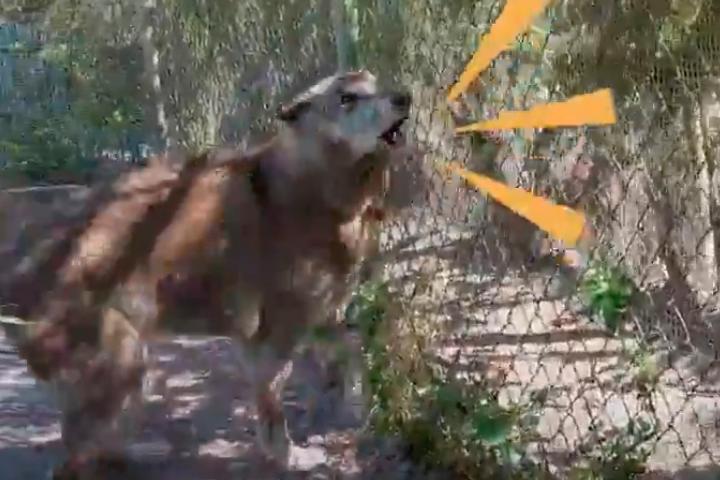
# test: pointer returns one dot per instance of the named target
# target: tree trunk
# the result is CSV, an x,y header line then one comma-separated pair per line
x,y
702,269
151,58
344,22
710,116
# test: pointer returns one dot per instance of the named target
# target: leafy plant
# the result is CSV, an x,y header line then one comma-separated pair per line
x,y
44,149
70,106
621,457
607,291
444,422
645,374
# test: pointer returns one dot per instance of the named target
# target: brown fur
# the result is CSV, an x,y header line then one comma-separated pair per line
x,y
257,245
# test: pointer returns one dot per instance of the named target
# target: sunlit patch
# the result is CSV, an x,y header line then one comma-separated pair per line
x,y
15,377
242,411
159,448
165,358
190,342
221,448
185,380
189,404
47,435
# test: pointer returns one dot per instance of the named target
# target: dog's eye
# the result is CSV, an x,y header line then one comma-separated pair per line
x,y
348,98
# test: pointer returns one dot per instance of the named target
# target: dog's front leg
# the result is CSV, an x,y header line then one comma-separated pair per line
x,y
100,395
271,369
339,354
271,372
268,361
267,365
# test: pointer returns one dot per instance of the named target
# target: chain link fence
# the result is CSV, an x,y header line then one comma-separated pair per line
x,y
618,336
581,361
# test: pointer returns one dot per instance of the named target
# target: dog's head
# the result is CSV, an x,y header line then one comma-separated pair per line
x,y
345,130
350,111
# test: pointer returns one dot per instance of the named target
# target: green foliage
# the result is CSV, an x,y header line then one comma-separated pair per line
x,y
45,149
607,291
451,424
621,457
444,421
75,106
492,424
13,8
656,44
646,372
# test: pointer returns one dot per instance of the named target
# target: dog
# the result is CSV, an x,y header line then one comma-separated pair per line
x,y
259,245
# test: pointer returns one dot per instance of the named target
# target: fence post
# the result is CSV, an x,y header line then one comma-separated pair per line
x,y
345,27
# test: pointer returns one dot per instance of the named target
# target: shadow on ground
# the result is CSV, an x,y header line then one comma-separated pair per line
x,y
702,473
197,424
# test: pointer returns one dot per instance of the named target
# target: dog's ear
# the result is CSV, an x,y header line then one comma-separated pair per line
x,y
292,111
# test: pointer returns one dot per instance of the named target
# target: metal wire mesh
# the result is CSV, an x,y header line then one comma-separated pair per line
x,y
506,308
649,188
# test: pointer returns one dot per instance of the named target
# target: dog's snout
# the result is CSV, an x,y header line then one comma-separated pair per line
x,y
401,100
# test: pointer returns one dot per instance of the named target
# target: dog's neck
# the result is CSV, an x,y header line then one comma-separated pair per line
x,y
298,154
297,175
294,169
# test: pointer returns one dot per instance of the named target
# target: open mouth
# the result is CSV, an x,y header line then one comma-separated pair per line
x,y
393,135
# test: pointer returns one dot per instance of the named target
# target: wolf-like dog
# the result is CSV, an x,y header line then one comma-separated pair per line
x,y
259,245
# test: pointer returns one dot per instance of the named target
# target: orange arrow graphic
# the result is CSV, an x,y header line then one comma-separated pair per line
x,y
559,221
515,18
597,108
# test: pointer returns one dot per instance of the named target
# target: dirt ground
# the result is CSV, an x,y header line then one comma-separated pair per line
x,y
507,327
198,423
